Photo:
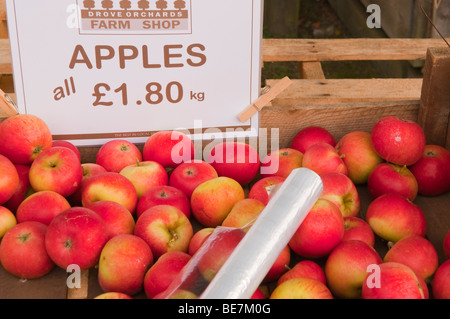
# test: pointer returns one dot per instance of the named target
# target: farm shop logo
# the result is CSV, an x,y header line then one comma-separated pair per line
x,y
135,17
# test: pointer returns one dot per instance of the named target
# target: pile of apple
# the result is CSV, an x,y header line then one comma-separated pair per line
x,y
139,217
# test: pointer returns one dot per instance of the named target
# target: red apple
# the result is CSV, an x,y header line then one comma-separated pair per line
x,y
321,231
243,214
258,294
23,252
113,295
145,175
123,262
279,267
357,228
341,191
281,162
262,189
392,217
417,253
158,278
215,251
212,201
441,281
391,178
358,154
7,220
76,236
117,154
446,245
424,286
164,228
168,148
92,169
110,186
185,284
392,281
56,169
323,158
235,160
198,239
164,195
69,145
301,288
9,179
23,190
432,171
42,207
345,279
304,268
309,136
23,137
118,220
89,170
188,175
398,141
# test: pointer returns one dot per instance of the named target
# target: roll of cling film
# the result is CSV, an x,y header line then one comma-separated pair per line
x,y
232,262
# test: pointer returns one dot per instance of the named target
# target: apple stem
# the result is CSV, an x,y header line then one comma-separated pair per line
x,y
137,162
68,244
24,237
390,244
37,149
174,236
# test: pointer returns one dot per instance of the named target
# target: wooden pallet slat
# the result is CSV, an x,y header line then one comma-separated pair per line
x,y
313,50
328,91
5,57
339,118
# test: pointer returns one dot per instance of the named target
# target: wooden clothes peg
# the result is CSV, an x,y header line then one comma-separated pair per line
x,y
7,106
264,99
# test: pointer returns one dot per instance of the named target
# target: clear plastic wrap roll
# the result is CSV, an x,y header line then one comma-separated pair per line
x,y
245,269
254,249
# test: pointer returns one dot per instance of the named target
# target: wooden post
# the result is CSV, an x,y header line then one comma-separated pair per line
x,y
311,71
434,110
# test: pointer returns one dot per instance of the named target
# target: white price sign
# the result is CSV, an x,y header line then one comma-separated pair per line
x,y
97,70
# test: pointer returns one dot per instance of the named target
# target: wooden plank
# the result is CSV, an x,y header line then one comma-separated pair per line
x,y
339,119
434,112
329,91
313,50
50,286
3,30
2,10
437,218
311,70
5,57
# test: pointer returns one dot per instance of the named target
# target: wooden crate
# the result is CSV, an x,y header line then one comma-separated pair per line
x,y
340,106
344,105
